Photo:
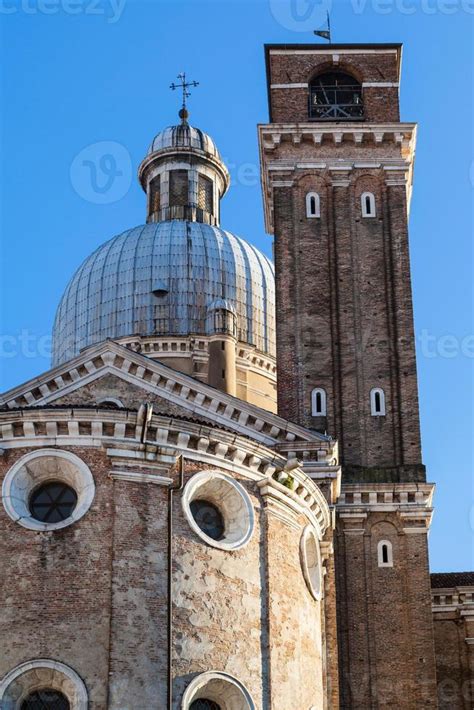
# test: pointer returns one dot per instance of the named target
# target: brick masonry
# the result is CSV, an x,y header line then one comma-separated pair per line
x,y
345,323
102,586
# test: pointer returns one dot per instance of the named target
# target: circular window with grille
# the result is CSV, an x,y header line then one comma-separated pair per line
x,y
48,489
219,510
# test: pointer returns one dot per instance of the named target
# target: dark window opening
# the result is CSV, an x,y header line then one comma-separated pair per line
x,y
312,205
209,518
53,502
179,188
385,554
155,195
205,194
368,205
204,704
319,403
378,402
335,96
45,700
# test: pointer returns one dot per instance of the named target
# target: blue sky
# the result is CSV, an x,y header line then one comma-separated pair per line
x,y
77,73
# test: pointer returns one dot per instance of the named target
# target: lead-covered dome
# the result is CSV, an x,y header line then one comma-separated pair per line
x,y
161,279
184,136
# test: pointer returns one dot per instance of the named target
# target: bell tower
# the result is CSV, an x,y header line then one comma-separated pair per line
x,y
337,169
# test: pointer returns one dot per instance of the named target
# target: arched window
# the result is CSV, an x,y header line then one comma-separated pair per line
x,y
377,402
318,402
313,205
335,96
367,201
111,402
385,553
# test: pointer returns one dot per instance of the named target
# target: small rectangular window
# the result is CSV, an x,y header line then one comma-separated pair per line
x,y
155,194
205,194
178,188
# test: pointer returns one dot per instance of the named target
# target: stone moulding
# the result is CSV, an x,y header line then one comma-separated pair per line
x,y
412,501
158,379
305,500
28,676
38,467
222,688
316,137
233,501
150,461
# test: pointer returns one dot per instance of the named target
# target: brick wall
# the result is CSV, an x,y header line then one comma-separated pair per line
x,y
290,105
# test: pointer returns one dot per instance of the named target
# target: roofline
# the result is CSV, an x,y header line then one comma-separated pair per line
x,y
324,47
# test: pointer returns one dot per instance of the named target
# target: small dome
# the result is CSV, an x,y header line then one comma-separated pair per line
x,y
184,136
160,279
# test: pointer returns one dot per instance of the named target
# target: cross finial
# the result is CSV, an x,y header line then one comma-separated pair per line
x,y
185,86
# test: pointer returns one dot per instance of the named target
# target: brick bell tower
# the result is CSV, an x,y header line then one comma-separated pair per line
x,y
337,168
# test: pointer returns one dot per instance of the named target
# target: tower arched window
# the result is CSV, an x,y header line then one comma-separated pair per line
x,y
385,553
318,402
377,402
367,201
313,205
335,96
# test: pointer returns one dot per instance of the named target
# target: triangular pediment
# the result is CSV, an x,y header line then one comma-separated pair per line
x,y
112,371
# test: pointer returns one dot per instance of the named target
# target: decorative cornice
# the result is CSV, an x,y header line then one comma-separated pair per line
x,y
321,139
411,501
199,399
305,499
457,600
148,461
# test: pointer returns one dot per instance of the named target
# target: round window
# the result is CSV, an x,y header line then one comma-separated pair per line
x,y
46,700
204,704
209,518
219,510
48,489
311,562
53,502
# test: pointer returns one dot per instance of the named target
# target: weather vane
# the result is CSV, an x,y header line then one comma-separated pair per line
x,y
185,86
325,33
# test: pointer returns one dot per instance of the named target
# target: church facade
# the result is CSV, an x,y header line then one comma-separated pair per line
x,y
216,498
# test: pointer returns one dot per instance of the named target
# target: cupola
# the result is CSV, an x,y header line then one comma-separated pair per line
x,y
183,175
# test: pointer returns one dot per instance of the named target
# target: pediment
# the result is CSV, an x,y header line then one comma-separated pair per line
x,y
110,370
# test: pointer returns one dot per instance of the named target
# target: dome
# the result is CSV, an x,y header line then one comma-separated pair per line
x,y
184,136
161,278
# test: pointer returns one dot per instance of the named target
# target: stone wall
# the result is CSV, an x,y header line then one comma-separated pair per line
x,y
94,597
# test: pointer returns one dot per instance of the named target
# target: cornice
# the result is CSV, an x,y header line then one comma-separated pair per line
x,y
412,502
148,460
199,399
277,170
